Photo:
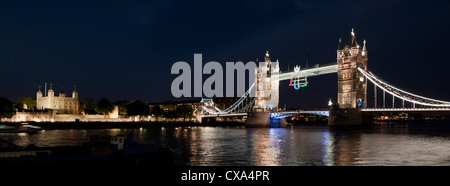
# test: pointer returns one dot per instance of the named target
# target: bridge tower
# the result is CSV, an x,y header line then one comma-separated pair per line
x,y
352,85
267,95
267,85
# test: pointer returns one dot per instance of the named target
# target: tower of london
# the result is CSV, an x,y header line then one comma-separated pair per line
x,y
61,104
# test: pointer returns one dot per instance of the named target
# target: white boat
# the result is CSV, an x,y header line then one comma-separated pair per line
x,y
19,129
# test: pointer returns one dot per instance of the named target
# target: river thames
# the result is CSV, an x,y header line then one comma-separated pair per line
x,y
404,144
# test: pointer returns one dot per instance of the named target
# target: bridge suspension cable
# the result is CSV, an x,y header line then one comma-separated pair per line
x,y
239,101
401,94
236,107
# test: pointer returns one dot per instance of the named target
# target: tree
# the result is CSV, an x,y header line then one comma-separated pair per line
x,y
104,106
157,111
24,103
88,106
6,108
184,111
224,102
138,108
170,114
122,106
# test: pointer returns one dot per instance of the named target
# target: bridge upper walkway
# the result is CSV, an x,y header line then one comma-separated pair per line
x,y
310,71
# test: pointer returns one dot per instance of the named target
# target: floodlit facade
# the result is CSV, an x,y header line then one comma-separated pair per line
x,y
267,85
61,104
352,85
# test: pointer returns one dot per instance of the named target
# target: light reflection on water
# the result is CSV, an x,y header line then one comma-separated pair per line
x,y
304,146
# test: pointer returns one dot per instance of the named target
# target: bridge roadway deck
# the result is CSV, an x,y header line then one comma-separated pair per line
x,y
224,115
406,110
326,111
283,112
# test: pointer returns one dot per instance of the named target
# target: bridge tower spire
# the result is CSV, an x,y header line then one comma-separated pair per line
x,y
352,87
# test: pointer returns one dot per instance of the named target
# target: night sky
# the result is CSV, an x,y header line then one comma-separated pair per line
x,y
124,50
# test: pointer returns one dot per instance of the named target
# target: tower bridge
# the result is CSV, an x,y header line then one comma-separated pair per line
x,y
353,77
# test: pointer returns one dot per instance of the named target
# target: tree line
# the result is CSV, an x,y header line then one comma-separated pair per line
x,y
102,106
134,108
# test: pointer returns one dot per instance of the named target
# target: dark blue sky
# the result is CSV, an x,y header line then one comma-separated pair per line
x,y
125,49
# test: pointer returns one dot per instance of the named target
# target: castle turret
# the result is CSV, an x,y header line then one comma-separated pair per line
x,y
352,41
51,97
364,50
340,50
39,93
50,91
266,58
268,63
75,93
62,93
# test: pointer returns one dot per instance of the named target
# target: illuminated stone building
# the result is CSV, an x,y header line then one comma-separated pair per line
x,y
60,104
352,85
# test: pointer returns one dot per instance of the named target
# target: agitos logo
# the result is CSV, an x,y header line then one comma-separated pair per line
x,y
298,82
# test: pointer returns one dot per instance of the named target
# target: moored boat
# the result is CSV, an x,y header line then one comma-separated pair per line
x,y
25,128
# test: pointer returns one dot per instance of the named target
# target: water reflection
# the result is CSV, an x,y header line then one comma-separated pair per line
x,y
328,150
266,146
347,147
261,147
234,146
